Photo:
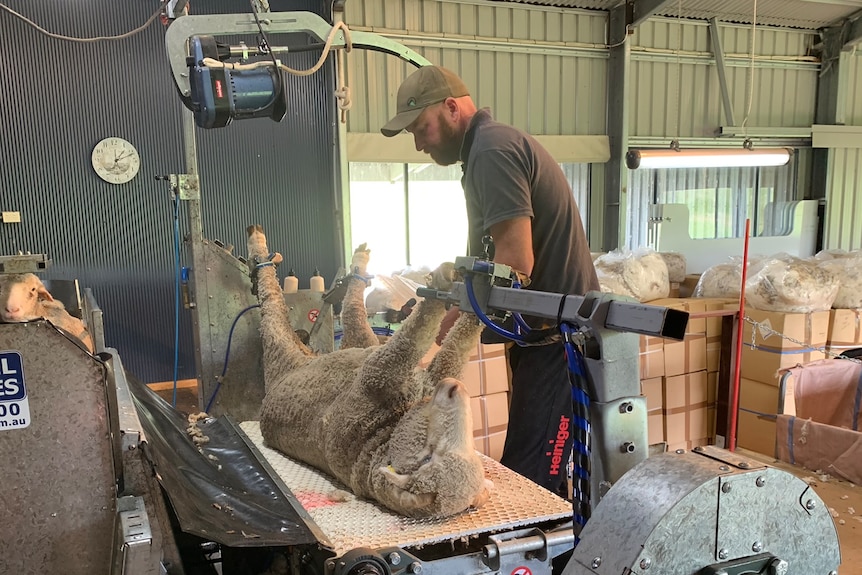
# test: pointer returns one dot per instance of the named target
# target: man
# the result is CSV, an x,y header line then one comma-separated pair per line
x,y
516,193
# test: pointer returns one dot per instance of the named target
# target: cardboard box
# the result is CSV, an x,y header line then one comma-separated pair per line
x,y
491,445
758,408
486,373
651,357
845,330
686,356
490,421
691,305
685,403
674,290
653,390
655,428
773,352
471,377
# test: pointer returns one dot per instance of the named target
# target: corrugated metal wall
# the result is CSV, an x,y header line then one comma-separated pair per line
x,y
854,91
843,229
675,90
540,69
60,98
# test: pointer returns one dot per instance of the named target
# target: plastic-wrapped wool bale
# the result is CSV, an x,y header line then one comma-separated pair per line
x,y
837,254
675,266
790,284
848,272
641,275
720,280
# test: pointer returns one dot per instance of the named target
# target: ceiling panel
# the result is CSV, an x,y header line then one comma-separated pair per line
x,y
805,14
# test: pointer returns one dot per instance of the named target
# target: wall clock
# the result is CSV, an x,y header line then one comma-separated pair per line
x,y
115,160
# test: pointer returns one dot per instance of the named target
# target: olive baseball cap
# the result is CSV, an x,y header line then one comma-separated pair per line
x,y
426,86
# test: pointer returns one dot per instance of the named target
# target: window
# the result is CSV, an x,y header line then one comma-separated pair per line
x,y
414,214
719,200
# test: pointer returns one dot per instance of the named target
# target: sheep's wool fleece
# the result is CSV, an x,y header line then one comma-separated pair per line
x,y
720,280
642,275
675,266
791,285
848,272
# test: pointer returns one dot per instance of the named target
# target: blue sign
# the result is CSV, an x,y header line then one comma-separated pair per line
x,y
14,405
11,377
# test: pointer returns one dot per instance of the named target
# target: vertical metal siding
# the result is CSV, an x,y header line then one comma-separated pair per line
x,y
676,92
854,91
555,93
843,228
118,239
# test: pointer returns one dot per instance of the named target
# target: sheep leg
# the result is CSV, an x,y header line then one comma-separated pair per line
x,y
282,349
390,367
354,317
450,359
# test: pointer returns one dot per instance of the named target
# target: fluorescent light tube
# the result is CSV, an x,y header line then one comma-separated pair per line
x,y
706,158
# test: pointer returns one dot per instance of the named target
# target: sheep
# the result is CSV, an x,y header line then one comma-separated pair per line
x,y
367,415
23,297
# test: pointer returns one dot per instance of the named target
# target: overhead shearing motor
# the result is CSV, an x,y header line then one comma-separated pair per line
x,y
221,82
221,94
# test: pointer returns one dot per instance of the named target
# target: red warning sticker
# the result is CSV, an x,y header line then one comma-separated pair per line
x,y
522,571
312,315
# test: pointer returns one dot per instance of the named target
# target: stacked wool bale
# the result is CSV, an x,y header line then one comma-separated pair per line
x,y
641,274
845,318
486,376
784,295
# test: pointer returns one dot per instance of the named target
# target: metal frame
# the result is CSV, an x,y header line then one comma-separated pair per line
x,y
211,308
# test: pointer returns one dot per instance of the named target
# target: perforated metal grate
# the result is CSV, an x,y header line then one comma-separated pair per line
x,y
515,502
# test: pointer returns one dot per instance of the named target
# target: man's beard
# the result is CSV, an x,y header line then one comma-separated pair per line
x,y
449,150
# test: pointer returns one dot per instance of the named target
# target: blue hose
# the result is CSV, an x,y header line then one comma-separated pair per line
x,y
227,356
580,428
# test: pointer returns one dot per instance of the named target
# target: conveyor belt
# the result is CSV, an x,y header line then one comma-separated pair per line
x,y
515,502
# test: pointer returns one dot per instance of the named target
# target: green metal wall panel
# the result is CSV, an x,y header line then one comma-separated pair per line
x,y
843,229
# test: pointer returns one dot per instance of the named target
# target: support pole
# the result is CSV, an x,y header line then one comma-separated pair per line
x,y
616,173
718,52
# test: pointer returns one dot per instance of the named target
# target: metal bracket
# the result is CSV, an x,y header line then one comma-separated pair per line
x,y
186,186
136,537
24,263
729,458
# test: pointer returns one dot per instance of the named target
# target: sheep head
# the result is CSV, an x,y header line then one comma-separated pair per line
x,y
21,296
433,469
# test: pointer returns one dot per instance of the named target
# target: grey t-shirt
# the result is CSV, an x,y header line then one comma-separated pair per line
x,y
508,174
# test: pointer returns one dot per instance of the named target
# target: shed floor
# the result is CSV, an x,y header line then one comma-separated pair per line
x,y
845,503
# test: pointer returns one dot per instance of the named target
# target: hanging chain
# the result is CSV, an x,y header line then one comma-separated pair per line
x,y
766,331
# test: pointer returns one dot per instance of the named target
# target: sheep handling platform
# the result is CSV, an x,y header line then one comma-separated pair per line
x,y
349,522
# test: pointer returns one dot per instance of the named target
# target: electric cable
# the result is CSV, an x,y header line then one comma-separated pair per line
x,y
123,36
581,449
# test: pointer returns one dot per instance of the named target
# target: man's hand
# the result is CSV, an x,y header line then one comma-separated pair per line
x,y
447,323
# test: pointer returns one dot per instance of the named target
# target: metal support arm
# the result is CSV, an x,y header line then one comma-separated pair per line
x,y
608,323
309,23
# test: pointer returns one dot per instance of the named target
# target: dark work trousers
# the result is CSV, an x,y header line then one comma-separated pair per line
x,y
539,439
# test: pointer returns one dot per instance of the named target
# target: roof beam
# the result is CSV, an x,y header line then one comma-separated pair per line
x,y
643,9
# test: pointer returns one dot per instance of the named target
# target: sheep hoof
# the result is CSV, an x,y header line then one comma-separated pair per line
x,y
361,255
443,276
